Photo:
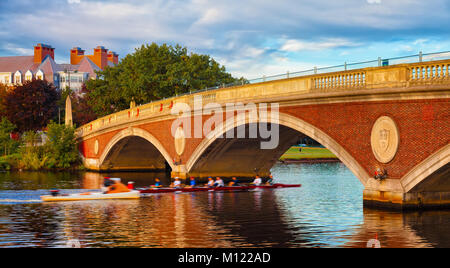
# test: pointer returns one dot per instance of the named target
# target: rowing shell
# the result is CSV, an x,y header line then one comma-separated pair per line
x,y
215,189
90,196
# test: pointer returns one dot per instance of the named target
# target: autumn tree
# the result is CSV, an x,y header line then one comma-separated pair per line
x,y
82,112
32,105
3,93
151,73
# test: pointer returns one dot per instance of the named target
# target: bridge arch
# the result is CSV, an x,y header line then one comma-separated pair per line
x,y
286,121
431,173
150,153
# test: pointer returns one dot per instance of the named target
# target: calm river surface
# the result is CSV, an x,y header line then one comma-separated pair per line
x,y
326,212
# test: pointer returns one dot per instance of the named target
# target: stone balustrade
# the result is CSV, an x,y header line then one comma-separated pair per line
x,y
395,76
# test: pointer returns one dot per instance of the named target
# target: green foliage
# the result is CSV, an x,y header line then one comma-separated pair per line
x,y
151,73
59,151
61,146
7,145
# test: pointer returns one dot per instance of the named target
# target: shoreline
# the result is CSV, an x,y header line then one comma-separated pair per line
x,y
309,160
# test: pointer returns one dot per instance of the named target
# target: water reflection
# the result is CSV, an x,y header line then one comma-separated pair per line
x,y
326,212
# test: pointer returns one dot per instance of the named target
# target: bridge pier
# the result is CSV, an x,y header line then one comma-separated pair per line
x,y
179,172
432,192
406,201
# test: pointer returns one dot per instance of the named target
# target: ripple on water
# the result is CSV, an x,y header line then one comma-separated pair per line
x,y
326,211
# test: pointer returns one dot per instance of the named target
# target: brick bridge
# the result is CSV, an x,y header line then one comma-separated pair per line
x,y
395,118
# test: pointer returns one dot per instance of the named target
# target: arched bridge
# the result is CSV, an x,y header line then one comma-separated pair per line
x,y
393,118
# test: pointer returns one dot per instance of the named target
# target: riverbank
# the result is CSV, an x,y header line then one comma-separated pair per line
x,y
297,154
14,162
8,162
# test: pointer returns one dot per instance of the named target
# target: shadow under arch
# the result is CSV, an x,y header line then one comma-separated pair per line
x,y
431,175
296,126
134,149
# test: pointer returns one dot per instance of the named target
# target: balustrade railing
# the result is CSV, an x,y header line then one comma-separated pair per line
x,y
403,71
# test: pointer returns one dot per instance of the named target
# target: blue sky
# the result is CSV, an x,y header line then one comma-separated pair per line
x,y
251,38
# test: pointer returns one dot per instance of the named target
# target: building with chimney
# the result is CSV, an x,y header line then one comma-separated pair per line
x,y
16,70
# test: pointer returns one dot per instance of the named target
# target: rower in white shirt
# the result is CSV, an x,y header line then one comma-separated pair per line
x,y
176,183
219,182
257,181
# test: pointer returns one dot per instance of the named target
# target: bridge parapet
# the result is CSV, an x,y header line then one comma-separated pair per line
x,y
404,76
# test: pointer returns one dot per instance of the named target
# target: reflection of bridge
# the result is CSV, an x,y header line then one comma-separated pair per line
x,y
394,118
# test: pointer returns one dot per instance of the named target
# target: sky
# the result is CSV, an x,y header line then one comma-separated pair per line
x,y
251,38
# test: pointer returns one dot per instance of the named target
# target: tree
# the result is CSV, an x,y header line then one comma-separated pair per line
x,y
61,146
151,73
32,105
82,112
81,109
6,142
3,93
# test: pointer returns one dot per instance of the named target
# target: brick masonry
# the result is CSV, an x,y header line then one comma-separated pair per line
x,y
424,127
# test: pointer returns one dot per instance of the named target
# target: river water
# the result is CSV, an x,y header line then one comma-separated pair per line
x,y
326,211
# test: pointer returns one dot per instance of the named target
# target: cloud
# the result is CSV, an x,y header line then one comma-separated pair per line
x,y
15,50
299,45
246,36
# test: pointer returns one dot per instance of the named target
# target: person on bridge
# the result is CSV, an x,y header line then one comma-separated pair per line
x,y
117,187
233,182
219,182
257,181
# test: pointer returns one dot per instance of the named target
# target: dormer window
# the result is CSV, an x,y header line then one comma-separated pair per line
x,y
39,75
28,76
18,77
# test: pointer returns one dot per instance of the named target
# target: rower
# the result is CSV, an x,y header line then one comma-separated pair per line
x,y
257,181
176,183
192,182
233,182
117,187
219,182
270,180
157,183
210,182
106,183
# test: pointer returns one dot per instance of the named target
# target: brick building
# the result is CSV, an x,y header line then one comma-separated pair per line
x,y
18,69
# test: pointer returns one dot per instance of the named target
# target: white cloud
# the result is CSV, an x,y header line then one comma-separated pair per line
x,y
18,50
210,16
299,45
249,37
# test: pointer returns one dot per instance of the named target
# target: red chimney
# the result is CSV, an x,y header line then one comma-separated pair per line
x,y
76,55
113,57
101,57
41,51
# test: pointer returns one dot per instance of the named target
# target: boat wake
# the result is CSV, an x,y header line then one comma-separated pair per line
x,y
19,201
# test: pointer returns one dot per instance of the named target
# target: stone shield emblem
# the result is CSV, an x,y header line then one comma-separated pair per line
x,y
180,141
385,139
